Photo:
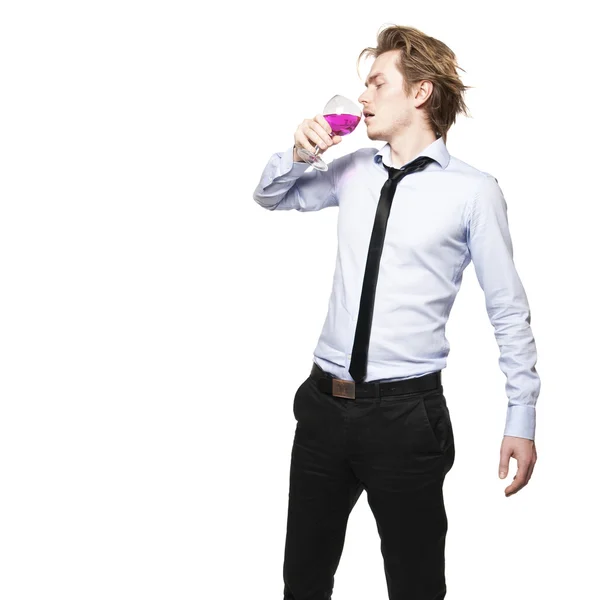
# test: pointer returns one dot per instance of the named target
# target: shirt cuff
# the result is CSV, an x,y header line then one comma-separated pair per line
x,y
520,421
294,168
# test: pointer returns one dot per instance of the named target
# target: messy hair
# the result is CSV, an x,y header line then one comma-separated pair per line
x,y
422,57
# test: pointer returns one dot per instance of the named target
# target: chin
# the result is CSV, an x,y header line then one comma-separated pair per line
x,y
374,135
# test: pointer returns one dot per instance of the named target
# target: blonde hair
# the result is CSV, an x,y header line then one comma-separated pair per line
x,y
423,57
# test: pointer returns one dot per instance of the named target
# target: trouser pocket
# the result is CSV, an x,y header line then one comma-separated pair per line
x,y
298,396
436,419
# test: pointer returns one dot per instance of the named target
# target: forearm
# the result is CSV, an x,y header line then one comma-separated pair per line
x,y
285,184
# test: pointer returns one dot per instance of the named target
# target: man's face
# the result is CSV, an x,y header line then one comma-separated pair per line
x,y
385,98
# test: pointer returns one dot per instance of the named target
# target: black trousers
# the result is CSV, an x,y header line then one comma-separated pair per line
x,y
399,449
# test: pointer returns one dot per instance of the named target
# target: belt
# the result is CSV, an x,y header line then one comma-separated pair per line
x,y
344,388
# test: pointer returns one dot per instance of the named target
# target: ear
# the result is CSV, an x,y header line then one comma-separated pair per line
x,y
422,91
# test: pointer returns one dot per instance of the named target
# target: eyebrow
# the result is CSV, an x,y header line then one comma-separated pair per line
x,y
374,76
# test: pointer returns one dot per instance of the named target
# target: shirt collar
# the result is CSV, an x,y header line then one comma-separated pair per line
x,y
436,150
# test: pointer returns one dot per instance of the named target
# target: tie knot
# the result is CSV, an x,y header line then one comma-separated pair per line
x,y
412,167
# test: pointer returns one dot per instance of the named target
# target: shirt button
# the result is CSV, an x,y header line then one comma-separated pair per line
x,y
348,355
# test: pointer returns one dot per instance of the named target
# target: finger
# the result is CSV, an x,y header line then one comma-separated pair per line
x,y
322,129
515,486
520,479
299,140
316,139
320,119
306,143
505,454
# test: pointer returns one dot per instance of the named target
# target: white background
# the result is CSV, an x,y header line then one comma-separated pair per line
x,y
155,322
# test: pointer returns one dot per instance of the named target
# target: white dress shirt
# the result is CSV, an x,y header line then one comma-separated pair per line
x,y
441,219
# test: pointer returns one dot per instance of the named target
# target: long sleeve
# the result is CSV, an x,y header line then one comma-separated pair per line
x,y
285,185
491,250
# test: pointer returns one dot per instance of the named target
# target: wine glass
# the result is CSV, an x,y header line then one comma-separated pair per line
x,y
343,115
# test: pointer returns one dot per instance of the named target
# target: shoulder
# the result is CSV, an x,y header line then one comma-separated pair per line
x,y
468,172
473,182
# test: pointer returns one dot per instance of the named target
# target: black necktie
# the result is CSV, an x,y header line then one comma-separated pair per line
x,y
358,364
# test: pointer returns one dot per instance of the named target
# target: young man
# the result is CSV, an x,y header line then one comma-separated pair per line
x,y
372,414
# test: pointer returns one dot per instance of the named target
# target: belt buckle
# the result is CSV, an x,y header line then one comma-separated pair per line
x,y
343,388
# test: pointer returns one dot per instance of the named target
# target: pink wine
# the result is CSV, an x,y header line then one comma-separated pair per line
x,y
342,124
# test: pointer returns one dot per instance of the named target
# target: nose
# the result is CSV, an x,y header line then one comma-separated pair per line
x,y
362,98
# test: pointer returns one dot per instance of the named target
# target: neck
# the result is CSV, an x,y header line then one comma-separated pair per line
x,y
406,145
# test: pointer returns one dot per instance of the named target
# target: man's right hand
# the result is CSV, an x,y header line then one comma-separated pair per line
x,y
312,132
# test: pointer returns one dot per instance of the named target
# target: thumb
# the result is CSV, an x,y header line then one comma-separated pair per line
x,y
503,469
336,139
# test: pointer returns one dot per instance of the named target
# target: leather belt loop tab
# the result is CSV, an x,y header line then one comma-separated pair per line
x,y
343,388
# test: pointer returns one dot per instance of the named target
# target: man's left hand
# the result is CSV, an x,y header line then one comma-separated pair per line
x,y
523,450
